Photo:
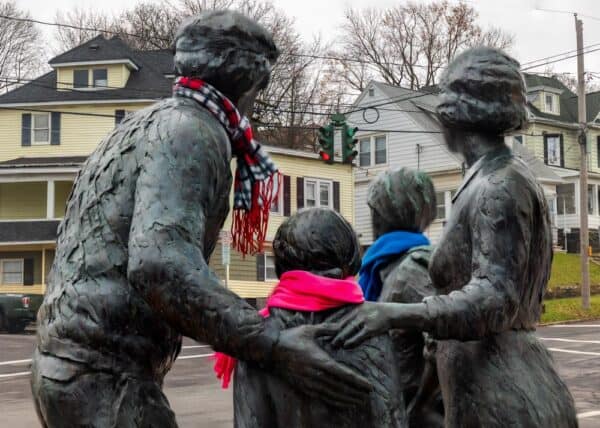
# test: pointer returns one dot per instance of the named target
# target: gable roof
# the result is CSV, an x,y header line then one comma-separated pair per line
x,y
567,99
540,170
148,82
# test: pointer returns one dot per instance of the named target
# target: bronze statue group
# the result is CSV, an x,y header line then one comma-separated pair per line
x,y
427,337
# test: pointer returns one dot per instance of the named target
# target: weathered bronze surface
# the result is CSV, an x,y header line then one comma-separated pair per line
x,y
131,271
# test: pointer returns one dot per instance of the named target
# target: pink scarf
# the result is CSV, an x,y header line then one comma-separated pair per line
x,y
299,291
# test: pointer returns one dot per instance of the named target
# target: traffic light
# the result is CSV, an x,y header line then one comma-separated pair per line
x,y
326,142
348,144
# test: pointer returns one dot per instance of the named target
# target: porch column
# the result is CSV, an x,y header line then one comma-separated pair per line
x,y
50,199
448,202
43,270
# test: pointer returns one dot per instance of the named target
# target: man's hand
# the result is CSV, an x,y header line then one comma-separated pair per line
x,y
363,322
306,366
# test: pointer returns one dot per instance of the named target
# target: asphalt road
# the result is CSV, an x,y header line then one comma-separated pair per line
x,y
198,400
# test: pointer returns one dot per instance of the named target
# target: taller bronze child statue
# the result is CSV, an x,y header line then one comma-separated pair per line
x,y
490,268
131,271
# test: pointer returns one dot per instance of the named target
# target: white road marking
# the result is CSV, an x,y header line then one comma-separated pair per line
x,y
575,326
189,357
195,346
588,414
569,351
14,362
559,339
14,374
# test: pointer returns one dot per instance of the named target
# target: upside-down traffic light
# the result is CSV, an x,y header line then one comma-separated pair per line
x,y
326,142
348,144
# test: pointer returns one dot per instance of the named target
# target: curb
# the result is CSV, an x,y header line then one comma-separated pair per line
x,y
567,322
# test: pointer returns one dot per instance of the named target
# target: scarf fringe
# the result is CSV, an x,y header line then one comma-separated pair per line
x,y
249,227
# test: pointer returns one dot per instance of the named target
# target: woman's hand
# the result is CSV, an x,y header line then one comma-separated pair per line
x,y
373,319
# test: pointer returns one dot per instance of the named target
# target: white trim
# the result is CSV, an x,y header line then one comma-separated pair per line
x,y
50,199
126,61
26,243
2,261
60,103
24,175
267,279
318,182
545,89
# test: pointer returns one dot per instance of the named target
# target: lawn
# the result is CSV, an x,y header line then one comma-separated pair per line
x,y
566,270
570,309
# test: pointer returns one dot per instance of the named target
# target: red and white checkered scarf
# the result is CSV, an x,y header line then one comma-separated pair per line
x,y
256,177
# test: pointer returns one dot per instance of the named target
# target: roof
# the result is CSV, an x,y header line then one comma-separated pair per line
x,y
28,231
43,161
148,82
567,99
96,49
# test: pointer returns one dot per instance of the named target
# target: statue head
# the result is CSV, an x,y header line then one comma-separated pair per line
x,y
231,52
317,240
401,199
482,91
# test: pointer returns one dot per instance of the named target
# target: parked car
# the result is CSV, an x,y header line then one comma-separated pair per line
x,y
17,311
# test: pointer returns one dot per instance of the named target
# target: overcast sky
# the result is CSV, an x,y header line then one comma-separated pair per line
x,y
538,34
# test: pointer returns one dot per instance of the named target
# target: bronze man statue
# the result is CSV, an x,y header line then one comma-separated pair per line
x,y
131,271
491,266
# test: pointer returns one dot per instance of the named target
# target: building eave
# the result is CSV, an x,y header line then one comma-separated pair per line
x,y
83,102
129,63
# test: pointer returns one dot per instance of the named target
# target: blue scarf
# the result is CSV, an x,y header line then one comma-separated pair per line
x,y
386,247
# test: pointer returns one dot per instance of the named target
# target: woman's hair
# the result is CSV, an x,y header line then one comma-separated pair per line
x,y
226,49
483,90
317,240
401,199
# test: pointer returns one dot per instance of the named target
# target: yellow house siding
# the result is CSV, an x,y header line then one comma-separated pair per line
x,y
240,268
22,200
592,139
37,264
79,134
535,143
62,189
117,75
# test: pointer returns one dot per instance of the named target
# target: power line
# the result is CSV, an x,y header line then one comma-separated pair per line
x,y
560,59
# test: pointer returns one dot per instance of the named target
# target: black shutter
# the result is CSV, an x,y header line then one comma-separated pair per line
x,y
598,153
299,193
287,194
55,128
260,267
26,129
28,272
119,115
562,151
336,196
546,149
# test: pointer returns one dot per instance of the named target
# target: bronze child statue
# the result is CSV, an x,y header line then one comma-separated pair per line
x,y
317,255
131,271
491,266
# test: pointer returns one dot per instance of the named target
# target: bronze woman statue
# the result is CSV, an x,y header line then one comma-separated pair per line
x,y
131,274
491,266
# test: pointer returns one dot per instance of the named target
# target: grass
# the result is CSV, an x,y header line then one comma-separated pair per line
x,y
570,309
566,271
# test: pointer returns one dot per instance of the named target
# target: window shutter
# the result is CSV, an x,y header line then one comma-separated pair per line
x,y
336,196
119,115
287,194
26,129
55,128
299,193
598,152
562,151
546,149
260,267
28,272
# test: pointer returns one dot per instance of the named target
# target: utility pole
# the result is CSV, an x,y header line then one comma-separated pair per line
x,y
583,174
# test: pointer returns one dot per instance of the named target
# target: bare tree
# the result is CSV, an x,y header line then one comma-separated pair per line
x,y
408,45
21,55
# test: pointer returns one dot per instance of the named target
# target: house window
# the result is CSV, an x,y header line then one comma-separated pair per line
x,y
549,103
364,158
270,274
518,138
553,150
373,151
40,129
591,199
11,271
277,204
318,193
80,78
565,198
440,199
100,78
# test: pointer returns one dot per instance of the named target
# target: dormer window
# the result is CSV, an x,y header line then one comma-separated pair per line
x,y
100,78
551,103
80,78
